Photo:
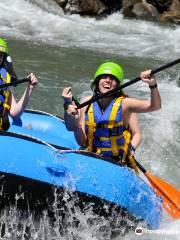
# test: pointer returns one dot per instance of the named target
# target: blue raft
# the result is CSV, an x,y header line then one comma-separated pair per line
x,y
38,154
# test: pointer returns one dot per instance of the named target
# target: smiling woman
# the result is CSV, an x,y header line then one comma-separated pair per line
x,y
64,50
106,83
102,127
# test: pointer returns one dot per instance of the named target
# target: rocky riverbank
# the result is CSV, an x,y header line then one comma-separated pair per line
x,y
159,10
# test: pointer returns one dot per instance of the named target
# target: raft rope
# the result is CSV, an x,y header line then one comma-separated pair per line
x,y
57,149
54,147
44,113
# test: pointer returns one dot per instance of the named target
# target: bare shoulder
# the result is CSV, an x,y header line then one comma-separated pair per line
x,y
85,98
129,100
136,105
127,103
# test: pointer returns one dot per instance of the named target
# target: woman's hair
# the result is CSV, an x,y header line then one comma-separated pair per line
x,y
94,85
3,58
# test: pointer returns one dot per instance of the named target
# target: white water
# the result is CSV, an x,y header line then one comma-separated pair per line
x,y
43,23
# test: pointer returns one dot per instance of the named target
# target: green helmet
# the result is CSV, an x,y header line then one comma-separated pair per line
x,y
3,46
110,68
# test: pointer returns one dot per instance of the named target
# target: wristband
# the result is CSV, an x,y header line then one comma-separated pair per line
x,y
131,148
66,105
67,101
153,86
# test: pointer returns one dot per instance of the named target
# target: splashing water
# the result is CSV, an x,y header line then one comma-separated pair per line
x,y
44,21
66,50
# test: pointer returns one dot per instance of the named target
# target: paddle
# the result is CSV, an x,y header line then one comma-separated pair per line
x,y
119,88
169,194
14,83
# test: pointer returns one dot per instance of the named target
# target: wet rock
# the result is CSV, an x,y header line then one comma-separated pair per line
x,y
163,10
139,9
173,14
85,7
61,3
112,5
161,5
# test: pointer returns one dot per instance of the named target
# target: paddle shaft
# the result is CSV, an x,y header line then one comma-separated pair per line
x,y
140,166
119,88
14,83
76,101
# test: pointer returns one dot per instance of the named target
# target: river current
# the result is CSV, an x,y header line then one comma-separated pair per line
x,y
65,50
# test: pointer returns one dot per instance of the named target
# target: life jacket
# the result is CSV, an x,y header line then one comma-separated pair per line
x,y
105,131
4,95
8,65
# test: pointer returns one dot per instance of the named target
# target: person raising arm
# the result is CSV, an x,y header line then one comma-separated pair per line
x,y
8,105
102,125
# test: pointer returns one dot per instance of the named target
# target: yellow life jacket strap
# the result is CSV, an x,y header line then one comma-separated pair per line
x,y
114,112
7,79
90,124
133,163
110,149
127,139
114,148
111,123
6,94
6,106
104,125
113,137
91,128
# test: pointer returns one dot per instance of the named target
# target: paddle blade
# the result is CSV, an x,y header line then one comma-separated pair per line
x,y
169,194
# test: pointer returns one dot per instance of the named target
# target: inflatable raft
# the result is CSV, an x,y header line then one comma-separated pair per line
x,y
39,155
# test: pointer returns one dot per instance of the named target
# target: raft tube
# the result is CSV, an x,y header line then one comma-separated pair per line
x,y
39,155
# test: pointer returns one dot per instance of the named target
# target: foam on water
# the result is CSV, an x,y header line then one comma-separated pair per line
x,y
44,21
160,145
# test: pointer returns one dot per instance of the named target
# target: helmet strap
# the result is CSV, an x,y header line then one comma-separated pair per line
x,y
4,57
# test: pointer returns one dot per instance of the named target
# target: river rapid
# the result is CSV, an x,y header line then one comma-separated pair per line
x,y
65,50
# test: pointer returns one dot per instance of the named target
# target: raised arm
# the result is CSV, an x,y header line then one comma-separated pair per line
x,y
17,108
74,119
142,106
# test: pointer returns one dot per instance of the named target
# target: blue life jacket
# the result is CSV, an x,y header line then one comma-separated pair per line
x,y
4,93
105,131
